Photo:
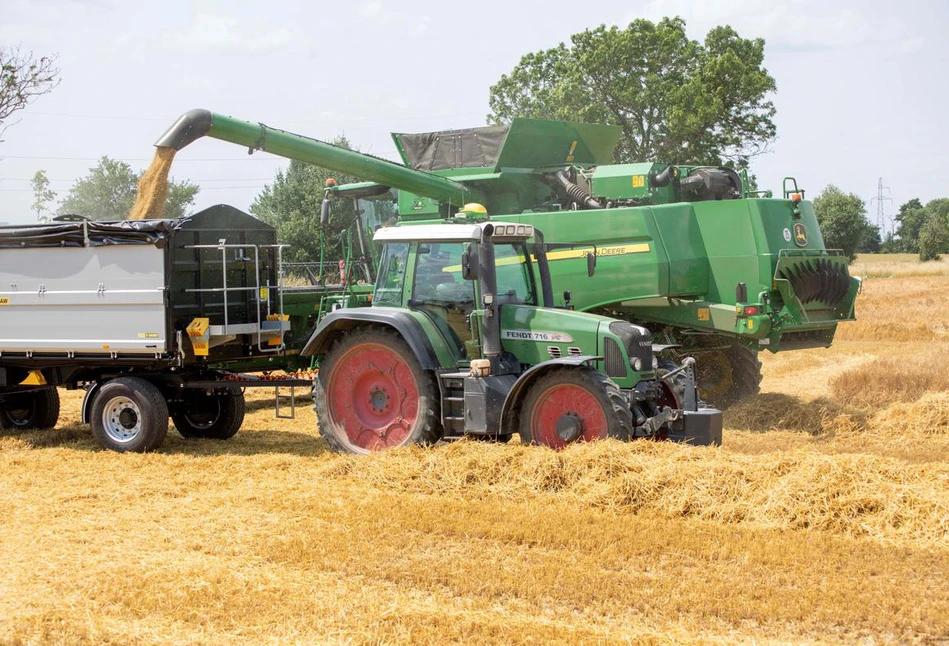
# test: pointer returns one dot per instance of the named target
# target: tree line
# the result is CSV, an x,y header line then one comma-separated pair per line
x,y
920,229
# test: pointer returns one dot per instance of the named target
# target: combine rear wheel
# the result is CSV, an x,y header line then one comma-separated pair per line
x,y
216,417
573,405
129,414
29,410
728,375
371,394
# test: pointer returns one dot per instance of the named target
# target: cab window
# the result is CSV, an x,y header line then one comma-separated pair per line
x,y
391,278
515,279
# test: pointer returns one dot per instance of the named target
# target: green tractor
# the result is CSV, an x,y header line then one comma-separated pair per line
x,y
463,339
690,252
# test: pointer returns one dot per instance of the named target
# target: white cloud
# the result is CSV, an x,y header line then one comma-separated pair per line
x,y
912,45
219,33
371,9
422,25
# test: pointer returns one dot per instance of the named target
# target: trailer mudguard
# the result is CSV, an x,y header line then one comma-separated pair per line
x,y
521,386
345,319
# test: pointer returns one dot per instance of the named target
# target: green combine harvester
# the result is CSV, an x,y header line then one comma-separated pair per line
x,y
709,266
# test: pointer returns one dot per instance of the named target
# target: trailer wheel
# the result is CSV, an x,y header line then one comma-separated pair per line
x,y
570,405
371,394
29,410
728,375
129,415
216,417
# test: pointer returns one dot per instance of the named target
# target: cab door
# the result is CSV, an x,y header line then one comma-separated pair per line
x,y
440,291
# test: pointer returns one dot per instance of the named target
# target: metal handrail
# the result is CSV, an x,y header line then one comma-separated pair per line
x,y
225,289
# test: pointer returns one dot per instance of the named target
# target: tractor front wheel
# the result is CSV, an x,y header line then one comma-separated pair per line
x,y
371,394
573,405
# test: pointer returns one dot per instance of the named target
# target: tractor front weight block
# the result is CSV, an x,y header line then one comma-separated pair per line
x,y
698,428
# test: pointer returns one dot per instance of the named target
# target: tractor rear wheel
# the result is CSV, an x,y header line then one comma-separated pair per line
x,y
727,375
570,405
371,394
216,417
29,410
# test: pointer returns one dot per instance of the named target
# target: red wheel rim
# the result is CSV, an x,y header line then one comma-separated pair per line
x,y
373,397
568,404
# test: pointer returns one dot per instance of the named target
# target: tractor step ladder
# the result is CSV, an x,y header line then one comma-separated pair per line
x,y
452,386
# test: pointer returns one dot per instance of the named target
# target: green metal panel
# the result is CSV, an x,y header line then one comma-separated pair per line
x,y
618,181
535,143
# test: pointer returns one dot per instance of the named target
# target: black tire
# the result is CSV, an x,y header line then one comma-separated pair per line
x,y
332,417
728,375
619,419
129,414
30,410
214,417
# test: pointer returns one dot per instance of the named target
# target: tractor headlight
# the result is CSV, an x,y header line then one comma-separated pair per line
x,y
655,362
636,363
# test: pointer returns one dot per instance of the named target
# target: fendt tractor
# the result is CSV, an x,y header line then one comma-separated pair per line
x,y
690,252
463,340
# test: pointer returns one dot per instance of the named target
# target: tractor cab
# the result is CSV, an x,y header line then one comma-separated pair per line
x,y
463,339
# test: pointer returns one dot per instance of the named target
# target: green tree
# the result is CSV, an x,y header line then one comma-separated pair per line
x,y
933,237
842,219
23,77
939,208
42,195
871,241
909,221
677,100
292,205
108,193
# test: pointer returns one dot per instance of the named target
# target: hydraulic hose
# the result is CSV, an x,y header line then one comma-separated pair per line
x,y
575,193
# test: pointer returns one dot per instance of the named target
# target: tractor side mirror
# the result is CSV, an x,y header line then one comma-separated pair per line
x,y
325,211
591,262
470,263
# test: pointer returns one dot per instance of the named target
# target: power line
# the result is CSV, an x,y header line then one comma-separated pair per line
x,y
203,188
228,179
329,119
148,159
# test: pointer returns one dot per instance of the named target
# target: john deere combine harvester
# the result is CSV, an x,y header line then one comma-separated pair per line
x,y
687,251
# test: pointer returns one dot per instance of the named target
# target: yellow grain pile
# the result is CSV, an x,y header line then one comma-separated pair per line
x,y
153,187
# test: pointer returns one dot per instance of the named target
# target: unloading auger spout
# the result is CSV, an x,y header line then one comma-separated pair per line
x,y
198,123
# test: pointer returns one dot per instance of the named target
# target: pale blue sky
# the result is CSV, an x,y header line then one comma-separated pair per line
x,y
861,85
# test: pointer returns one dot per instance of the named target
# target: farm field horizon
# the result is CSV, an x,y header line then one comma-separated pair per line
x,y
823,517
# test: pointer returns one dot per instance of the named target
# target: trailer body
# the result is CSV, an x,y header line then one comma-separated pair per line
x,y
145,315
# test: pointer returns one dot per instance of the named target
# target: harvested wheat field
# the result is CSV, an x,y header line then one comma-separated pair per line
x,y
823,518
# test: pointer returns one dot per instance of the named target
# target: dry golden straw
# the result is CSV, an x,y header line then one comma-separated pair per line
x,y
824,517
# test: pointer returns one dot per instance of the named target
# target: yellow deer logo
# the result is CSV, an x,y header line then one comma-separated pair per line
x,y
800,235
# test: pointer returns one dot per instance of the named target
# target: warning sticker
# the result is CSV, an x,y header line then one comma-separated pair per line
x,y
4,300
